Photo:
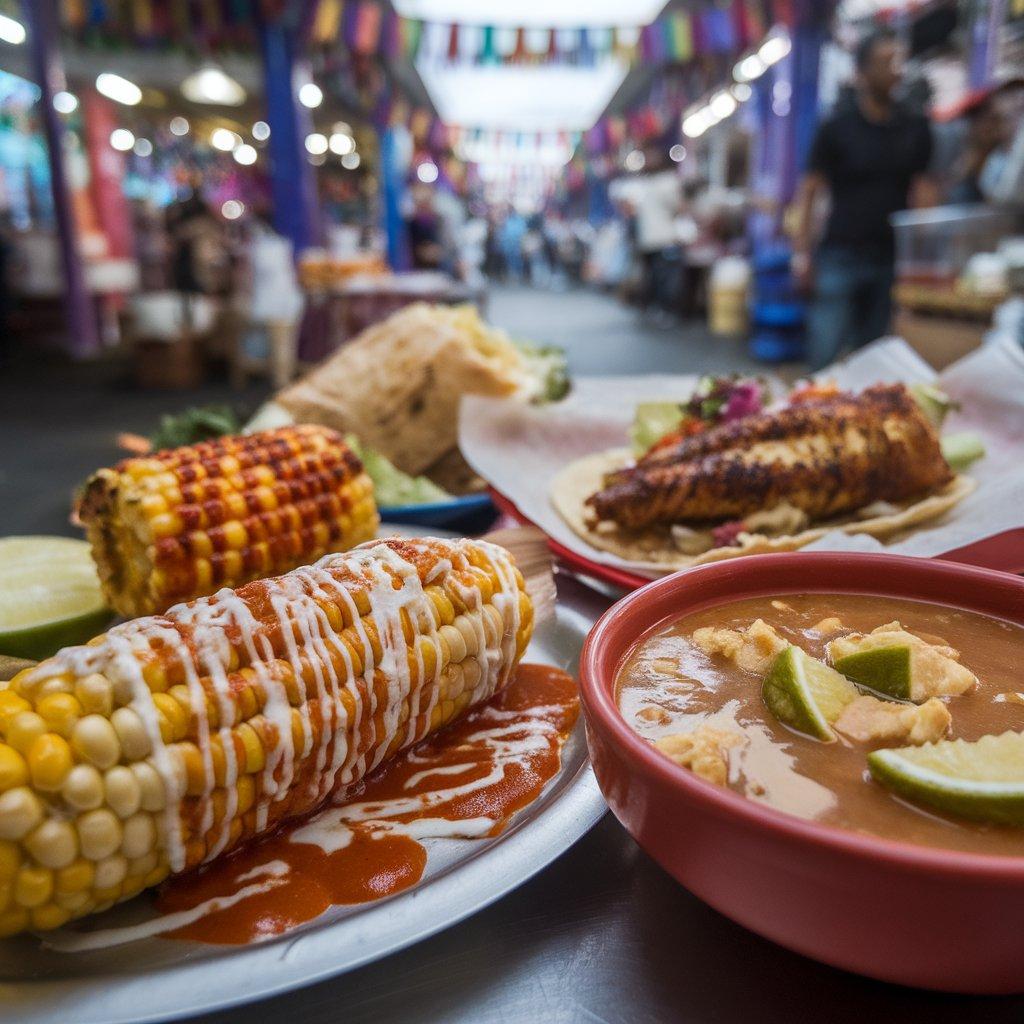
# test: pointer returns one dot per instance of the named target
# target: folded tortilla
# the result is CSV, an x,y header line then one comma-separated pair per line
x,y
397,386
655,549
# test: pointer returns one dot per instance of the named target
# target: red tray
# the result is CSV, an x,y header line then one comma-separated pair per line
x,y
1003,551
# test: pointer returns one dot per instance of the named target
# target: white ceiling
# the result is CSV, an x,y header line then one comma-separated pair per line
x,y
547,97
542,13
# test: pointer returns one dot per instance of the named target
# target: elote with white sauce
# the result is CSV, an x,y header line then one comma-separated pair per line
x,y
170,740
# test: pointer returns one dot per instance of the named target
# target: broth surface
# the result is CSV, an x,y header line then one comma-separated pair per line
x,y
669,685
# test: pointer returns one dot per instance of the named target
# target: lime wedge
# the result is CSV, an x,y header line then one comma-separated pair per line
x,y
983,780
49,595
806,694
882,669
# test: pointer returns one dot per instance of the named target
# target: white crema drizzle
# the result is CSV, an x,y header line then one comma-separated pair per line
x,y
204,626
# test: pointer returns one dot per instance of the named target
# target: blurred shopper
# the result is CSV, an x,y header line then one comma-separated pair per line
x,y
425,229
870,157
987,134
658,202
512,233
200,261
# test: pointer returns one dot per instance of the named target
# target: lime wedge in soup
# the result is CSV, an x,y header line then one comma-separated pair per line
x,y
982,780
806,694
885,670
50,595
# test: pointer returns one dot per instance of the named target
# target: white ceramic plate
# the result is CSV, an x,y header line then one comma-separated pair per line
x,y
160,979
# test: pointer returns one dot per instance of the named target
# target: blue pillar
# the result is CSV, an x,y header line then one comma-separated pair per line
x,y
392,181
292,178
47,66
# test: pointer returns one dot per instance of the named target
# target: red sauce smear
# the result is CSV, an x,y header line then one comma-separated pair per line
x,y
539,706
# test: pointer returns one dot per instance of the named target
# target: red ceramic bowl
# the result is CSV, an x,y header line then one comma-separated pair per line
x,y
903,913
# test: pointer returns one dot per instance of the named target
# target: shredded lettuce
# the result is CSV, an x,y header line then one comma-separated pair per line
x,y
392,486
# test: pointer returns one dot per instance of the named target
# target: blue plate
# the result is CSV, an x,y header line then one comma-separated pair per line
x,y
472,513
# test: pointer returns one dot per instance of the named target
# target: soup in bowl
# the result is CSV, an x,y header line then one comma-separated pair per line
x,y
828,749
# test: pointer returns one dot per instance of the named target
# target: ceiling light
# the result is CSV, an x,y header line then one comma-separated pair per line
x,y
311,95
318,159
212,85
232,209
261,131
749,68
697,123
533,13
316,143
774,48
342,128
65,102
677,153
119,89
245,154
11,31
224,139
122,139
341,143
427,172
722,105
635,160
143,147
179,126
350,161
742,92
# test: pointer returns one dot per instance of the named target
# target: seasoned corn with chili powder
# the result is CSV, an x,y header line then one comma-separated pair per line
x,y
185,522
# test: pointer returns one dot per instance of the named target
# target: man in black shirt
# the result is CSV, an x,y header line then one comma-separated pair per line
x,y
870,155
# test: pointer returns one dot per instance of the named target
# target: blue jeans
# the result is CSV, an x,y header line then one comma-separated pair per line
x,y
852,302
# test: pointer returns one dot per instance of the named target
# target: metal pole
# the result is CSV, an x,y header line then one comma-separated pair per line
x,y
48,68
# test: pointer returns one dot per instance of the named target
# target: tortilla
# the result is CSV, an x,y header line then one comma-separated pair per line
x,y
397,386
655,550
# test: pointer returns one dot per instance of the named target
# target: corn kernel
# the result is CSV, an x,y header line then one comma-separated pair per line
x,y
49,761
60,711
122,791
13,921
255,758
99,833
151,787
33,886
13,769
83,788
95,740
20,812
54,844
111,871
131,734
95,694
173,717
47,918
24,729
10,860
11,704
139,836
76,877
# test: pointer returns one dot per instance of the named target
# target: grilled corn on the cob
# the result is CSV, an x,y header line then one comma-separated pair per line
x,y
171,739
187,521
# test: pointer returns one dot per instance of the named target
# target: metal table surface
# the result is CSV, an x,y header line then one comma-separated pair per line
x,y
604,935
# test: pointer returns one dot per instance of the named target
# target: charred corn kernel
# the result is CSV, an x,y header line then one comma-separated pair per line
x,y
54,844
131,734
99,833
156,542
20,812
83,788
139,836
49,917
76,877
33,886
13,769
11,704
173,717
24,729
49,762
151,787
95,740
121,791
95,694
111,871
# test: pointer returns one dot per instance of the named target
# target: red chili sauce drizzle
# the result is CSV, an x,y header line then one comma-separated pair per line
x,y
536,711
